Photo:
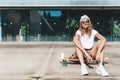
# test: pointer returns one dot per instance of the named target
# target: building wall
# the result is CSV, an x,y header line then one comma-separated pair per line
x,y
60,2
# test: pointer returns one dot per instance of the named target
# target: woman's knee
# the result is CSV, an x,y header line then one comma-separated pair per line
x,y
97,58
97,43
78,52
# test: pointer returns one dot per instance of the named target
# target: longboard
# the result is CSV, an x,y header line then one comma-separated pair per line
x,y
74,60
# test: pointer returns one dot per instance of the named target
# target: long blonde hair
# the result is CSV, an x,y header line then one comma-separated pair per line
x,y
89,30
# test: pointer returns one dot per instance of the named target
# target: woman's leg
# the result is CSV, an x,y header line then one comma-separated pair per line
x,y
79,55
100,58
93,52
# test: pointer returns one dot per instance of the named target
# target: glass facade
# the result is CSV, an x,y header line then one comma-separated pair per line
x,y
55,24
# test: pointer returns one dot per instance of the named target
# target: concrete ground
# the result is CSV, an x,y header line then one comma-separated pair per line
x,y
41,61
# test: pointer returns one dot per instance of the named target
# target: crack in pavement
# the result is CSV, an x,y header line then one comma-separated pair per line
x,y
41,71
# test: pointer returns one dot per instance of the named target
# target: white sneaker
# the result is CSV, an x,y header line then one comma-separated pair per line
x,y
84,70
101,70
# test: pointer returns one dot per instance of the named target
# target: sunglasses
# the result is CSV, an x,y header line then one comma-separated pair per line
x,y
87,21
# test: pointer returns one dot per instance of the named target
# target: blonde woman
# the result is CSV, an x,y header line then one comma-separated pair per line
x,y
85,47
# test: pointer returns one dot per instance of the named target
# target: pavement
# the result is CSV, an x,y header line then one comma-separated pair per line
x,y
41,61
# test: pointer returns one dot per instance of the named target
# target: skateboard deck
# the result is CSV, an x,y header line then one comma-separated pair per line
x,y
74,60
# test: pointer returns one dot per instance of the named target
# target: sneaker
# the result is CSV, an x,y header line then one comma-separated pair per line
x,y
84,70
101,70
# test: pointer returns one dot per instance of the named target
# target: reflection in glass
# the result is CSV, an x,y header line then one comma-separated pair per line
x,y
54,24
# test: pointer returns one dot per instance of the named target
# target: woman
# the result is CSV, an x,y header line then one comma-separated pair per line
x,y
83,40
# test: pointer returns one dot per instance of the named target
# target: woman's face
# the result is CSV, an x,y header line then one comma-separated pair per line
x,y
85,23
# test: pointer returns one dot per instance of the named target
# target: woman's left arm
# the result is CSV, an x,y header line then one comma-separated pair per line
x,y
102,41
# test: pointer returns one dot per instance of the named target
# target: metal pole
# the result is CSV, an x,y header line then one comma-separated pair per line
x,y
112,28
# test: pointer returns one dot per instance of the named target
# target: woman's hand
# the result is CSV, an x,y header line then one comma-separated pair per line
x,y
89,58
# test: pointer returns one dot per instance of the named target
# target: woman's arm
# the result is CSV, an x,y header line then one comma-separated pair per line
x,y
76,41
102,41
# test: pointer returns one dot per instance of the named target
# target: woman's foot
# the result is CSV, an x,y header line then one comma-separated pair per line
x,y
101,70
84,70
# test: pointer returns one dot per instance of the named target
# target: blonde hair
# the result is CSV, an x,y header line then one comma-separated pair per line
x,y
89,30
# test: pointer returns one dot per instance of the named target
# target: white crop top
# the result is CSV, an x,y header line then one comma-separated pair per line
x,y
86,40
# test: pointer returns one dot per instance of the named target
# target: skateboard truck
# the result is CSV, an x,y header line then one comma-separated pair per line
x,y
64,63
